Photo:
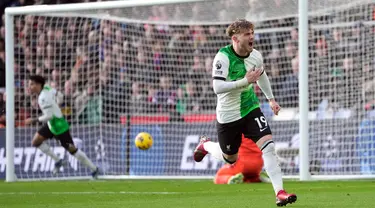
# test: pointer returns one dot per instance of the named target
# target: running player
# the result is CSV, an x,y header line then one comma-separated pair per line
x,y
55,126
235,68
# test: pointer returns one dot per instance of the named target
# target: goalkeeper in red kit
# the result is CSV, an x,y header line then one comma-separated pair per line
x,y
247,169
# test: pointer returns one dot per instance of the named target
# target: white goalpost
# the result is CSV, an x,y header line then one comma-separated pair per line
x,y
303,90
125,67
10,119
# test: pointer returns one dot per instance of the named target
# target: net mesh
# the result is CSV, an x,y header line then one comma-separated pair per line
x,y
137,69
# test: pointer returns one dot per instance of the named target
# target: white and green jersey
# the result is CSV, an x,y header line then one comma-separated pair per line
x,y
47,101
229,66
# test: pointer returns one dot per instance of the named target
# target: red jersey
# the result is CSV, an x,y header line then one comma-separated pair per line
x,y
249,148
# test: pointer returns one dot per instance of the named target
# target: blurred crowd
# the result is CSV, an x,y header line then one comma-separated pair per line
x,y
106,69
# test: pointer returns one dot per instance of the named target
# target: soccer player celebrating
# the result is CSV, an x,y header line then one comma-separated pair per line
x,y
247,169
55,126
235,68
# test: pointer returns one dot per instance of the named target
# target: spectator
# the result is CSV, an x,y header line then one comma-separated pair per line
x,y
158,56
321,82
215,39
274,71
290,86
207,98
151,99
165,97
187,99
122,94
56,80
91,106
138,100
199,38
197,71
348,87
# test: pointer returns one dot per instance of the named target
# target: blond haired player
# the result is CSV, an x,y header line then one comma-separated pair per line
x,y
235,68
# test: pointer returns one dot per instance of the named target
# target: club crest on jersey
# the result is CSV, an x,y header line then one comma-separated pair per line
x,y
218,64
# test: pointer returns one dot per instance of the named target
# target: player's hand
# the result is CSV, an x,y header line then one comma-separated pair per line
x,y
253,75
274,106
28,121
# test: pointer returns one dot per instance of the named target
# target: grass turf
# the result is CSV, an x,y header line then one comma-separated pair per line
x,y
181,194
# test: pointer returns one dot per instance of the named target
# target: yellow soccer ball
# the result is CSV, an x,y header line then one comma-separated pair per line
x,y
143,141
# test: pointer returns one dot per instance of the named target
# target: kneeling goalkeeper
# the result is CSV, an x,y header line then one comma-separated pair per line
x,y
247,169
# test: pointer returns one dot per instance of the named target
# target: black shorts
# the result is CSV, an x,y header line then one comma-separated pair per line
x,y
254,126
65,138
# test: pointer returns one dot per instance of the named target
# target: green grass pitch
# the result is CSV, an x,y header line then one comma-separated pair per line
x,y
181,194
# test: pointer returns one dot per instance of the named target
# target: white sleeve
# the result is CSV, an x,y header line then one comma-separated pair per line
x,y
259,59
263,82
221,86
45,102
220,68
265,85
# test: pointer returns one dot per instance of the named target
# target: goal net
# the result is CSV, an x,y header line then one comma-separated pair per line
x,y
125,70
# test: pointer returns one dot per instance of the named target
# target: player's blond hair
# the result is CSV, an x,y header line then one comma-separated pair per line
x,y
239,26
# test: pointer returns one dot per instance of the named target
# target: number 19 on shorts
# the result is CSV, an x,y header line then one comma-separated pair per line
x,y
262,123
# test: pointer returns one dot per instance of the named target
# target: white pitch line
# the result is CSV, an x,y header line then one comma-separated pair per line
x,y
88,193
155,192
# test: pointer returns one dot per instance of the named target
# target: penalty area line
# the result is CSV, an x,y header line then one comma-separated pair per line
x,y
91,192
